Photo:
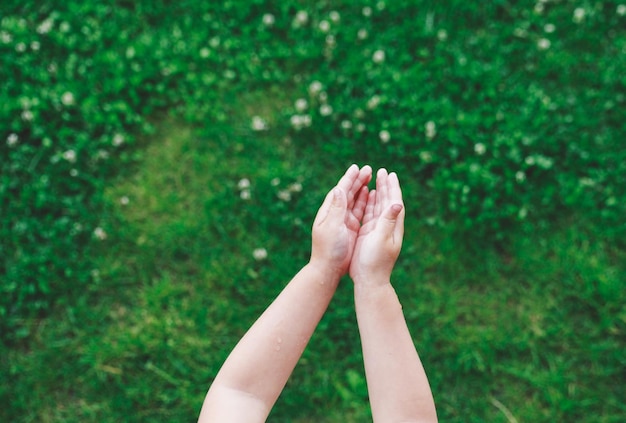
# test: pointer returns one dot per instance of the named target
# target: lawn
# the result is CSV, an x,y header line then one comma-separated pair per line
x,y
161,165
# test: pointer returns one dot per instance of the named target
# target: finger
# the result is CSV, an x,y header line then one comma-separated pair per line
x,y
348,178
333,208
394,191
363,178
368,216
398,232
361,202
381,189
392,218
395,197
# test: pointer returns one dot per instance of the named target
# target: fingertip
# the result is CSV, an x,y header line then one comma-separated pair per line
x,y
396,209
338,195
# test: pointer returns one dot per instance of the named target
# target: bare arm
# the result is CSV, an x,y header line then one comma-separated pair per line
x,y
256,371
397,384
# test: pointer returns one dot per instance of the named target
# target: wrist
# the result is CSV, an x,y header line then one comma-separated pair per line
x,y
374,293
371,283
327,273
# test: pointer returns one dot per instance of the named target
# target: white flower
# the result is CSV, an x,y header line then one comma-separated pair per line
x,y
205,52
430,129
268,19
302,17
621,9
67,98
346,124
300,121
301,105
373,102
12,140
73,172
360,127
295,187
20,47
259,254
520,176
296,121
330,40
244,183
442,35
5,37
549,28
118,139
520,32
315,87
99,233
65,27
587,182
480,149
27,115
362,34
544,162
426,156
522,213
579,15
378,56
326,110
384,136
245,194
45,26
284,195
258,123
367,11
334,16
539,7
124,200
324,26
275,182
380,5
34,46
323,96
543,44
70,156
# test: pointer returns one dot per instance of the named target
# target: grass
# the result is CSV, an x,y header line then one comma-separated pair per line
x,y
532,332
512,271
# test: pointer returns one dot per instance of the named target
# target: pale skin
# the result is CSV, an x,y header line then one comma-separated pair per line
x,y
355,231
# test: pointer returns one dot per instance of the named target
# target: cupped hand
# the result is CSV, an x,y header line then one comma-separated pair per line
x,y
338,220
380,237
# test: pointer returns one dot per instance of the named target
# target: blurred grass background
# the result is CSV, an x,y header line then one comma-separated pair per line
x,y
150,147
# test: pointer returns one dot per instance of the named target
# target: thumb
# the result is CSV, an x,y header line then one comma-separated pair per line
x,y
390,217
334,207
338,204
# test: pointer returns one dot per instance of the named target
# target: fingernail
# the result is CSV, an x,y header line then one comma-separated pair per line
x,y
396,209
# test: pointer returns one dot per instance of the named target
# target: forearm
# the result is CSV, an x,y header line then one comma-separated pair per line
x,y
397,384
261,363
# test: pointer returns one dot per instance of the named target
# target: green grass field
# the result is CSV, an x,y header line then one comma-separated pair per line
x,y
148,149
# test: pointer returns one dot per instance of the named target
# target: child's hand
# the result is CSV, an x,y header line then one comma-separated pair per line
x,y
338,221
380,238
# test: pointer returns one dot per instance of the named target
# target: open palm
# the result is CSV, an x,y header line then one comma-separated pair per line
x,y
380,237
338,220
